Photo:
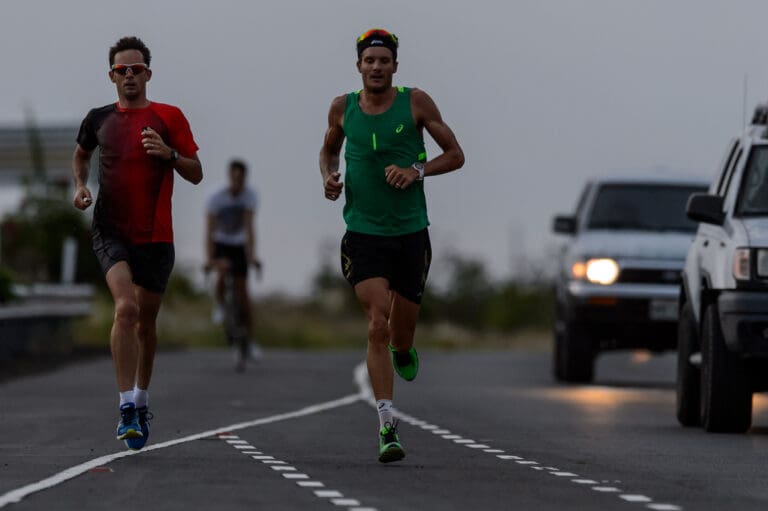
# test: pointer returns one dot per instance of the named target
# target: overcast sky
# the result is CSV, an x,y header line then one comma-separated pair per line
x,y
541,94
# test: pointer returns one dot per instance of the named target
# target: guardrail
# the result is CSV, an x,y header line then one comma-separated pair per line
x,y
40,321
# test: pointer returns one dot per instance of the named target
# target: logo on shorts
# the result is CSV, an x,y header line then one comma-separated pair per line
x,y
399,128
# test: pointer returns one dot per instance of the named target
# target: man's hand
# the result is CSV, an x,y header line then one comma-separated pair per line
x,y
400,178
83,198
154,144
333,186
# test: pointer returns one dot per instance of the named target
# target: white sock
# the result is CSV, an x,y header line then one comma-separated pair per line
x,y
385,411
126,397
141,397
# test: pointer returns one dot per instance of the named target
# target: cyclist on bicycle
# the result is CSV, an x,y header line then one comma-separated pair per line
x,y
230,246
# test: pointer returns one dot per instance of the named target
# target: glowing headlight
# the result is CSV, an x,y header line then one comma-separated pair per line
x,y
602,271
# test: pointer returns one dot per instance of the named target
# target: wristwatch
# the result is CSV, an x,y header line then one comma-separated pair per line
x,y
174,155
419,167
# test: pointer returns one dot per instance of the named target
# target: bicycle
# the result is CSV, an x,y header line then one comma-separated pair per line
x,y
236,330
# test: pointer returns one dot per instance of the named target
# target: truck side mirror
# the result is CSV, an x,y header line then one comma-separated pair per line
x,y
703,207
564,225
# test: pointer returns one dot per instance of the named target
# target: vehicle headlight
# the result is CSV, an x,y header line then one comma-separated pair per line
x,y
762,262
600,271
741,266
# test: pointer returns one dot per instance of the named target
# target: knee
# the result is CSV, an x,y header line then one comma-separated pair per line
x,y
126,313
378,330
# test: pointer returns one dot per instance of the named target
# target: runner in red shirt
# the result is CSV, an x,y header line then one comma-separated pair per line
x,y
140,144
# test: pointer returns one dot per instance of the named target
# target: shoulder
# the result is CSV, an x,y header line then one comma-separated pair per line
x,y
339,103
101,111
164,107
419,96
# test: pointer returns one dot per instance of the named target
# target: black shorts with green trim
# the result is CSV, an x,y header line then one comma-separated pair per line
x,y
402,260
150,263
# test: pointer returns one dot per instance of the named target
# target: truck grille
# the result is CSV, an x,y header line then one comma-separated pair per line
x,y
649,276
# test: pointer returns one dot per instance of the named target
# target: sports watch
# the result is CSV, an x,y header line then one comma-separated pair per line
x,y
419,167
174,155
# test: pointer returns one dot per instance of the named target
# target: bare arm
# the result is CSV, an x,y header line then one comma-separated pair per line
x,y
81,162
210,222
329,153
428,116
189,168
250,241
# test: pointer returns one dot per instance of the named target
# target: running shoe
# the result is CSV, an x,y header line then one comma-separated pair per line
x,y
389,443
406,363
144,417
128,427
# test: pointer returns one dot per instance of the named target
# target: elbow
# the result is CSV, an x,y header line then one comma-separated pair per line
x,y
459,159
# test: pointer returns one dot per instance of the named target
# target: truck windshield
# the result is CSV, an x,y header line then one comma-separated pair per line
x,y
753,198
643,207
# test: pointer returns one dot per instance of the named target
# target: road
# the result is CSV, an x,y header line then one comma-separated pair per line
x,y
482,431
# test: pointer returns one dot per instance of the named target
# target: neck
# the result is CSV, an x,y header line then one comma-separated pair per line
x,y
378,97
141,102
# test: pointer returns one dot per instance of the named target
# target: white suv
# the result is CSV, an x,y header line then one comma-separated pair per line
x,y
723,326
619,271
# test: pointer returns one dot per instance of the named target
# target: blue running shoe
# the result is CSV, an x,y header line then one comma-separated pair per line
x,y
144,417
128,427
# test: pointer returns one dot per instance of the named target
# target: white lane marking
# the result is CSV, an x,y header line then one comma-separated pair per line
x,y
664,507
441,432
464,441
224,437
605,489
251,452
16,495
302,480
328,493
307,484
584,481
635,498
235,442
429,427
345,502
493,451
283,469
451,437
527,462
478,446
508,457
564,474
243,447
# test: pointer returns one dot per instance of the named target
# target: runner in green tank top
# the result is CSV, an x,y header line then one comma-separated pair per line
x,y
385,253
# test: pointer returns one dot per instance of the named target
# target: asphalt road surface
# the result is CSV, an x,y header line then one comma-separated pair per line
x,y
481,430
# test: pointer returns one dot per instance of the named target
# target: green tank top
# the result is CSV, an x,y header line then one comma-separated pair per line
x,y
373,143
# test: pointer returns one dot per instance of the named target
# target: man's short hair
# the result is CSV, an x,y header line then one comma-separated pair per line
x,y
129,43
239,165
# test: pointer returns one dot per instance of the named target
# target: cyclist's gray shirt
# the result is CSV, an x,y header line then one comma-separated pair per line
x,y
228,212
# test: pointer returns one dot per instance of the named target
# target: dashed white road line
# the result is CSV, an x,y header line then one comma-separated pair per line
x,y
16,495
362,382
302,480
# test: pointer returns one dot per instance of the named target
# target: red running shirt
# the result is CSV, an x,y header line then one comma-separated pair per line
x,y
134,201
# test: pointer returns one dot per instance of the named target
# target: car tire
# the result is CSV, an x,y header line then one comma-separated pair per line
x,y
577,354
688,375
726,396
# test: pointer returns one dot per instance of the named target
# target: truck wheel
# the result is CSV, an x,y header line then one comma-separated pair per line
x,y
726,397
577,355
688,375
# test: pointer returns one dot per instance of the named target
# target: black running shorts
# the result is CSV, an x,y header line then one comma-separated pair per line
x,y
150,263
235,254
402,260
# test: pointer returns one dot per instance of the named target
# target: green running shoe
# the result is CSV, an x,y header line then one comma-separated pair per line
x,y
406,364
389,444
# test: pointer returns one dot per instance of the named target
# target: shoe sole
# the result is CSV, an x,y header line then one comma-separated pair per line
x,y
391,454
131,433
397,369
